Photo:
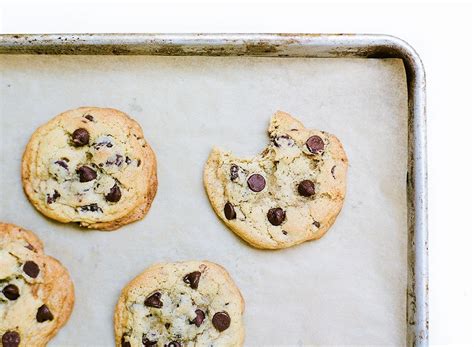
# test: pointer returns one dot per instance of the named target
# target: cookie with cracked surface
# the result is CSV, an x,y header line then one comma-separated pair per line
x,y
36,292
292,192
183,304
91,166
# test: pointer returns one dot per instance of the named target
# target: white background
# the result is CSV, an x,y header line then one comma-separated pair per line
x,y
442,35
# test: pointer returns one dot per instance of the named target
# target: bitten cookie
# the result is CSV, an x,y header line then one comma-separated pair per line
x,y
292,192
186,304
91,166
36,292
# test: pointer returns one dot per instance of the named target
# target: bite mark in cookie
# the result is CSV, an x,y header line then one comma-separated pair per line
x,y
90,166
180,304
292,192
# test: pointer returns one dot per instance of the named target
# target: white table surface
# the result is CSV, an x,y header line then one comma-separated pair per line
x,y
442,35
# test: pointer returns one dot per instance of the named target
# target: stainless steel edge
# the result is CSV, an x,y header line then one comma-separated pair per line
x,y
291,45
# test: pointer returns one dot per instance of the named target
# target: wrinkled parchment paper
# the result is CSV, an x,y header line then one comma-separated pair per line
x,y
347,288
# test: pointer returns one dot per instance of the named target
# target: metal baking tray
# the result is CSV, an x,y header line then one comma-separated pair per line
x,y
291,45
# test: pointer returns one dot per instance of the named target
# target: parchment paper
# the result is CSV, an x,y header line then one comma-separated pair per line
x,y
347,288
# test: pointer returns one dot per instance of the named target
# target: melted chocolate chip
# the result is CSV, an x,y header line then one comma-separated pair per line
x,y
192,279
229,211
234,172
124,343
30,247
221,321
147,342
332,171
91,208
199,318
31,269
11,292
86,174
117,161
306,188
62,163
154,300
44,314
80,137
315,144
174,344
316,224
276,216
52,198
114,195
256,183
139,162
11,339
89,117
283,140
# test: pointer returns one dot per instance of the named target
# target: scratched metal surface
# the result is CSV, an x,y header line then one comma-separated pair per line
x,y
290,45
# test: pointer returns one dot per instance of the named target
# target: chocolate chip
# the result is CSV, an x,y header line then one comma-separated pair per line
x,y
62,163
139,162
315,144
52,198
154,300
114,195
192,279
124,343
284,232
199,318
174,344
221,321
167,325
80,137
117,161
147,342
11,292
30,247
316,224
11,339
229,211
128,160
86,174
91,208
283,140
306,188
332,171
234,172
256,183
31,269
105,142
276,216
89,117
44,314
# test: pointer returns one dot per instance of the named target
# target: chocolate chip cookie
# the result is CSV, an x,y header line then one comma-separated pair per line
x,y
36,292
91,166
186,304
292,192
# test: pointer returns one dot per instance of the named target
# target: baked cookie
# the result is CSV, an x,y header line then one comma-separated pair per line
x,y
91,166
292,192
36,292
186,304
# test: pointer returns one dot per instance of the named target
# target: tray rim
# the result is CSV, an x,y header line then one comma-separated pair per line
x,y
288,46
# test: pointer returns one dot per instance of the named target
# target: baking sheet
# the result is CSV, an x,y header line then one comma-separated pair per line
x,y
347,288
